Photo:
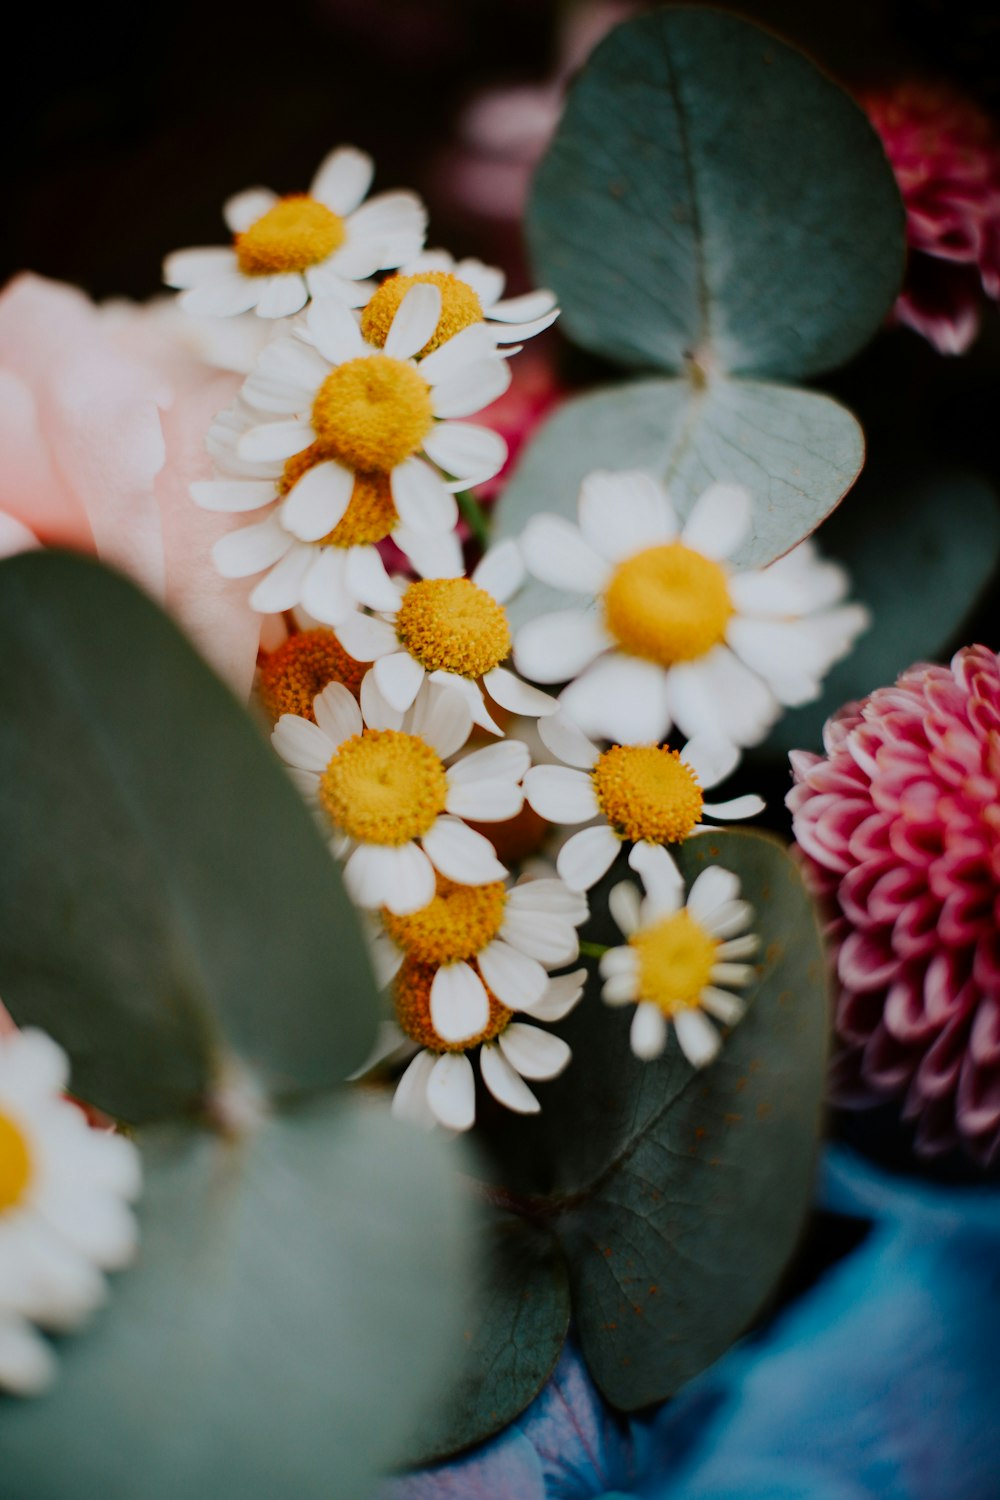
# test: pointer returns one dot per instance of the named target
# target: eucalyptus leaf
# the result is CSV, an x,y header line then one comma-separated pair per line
x,y
164,897
797,453
285,1331
920,547
710,194
516,1330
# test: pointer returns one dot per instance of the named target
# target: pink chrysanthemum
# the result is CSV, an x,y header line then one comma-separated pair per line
x,y
946,157
900,826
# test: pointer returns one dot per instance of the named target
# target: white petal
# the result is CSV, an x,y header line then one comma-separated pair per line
x,y
317,501
736,975
524,309
508,761
281,296
414,322
550,896
517,980
233,495
516,696
399,678
486,801
506,1086
451,1091
325,594
225,297
621,514
746,946
719,697
378,712
275,440
400,878
409,1102
302,743
617,962
343,179
796,584
620,698
281,588
556,647
727,1008
188,268
533,1053
561,795
621,988
623,903
460,1007
726,921
458,353
514,333
337,713
250,549
539,934
359,257
648,1032
368,639
28,1366
501,571
585,857
563,993
392,215
662,880
368,580
461,854
285,378
335,331
473,388
557,554
719,520
486,281
700,1042
433,554
560,735
442,718
472,454
736,808
711,760
423,502
713,887
245,208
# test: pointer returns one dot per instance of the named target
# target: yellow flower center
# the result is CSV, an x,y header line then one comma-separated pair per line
x,y
372,413
384,787
668,604
460,307
15,1164
452,625
647,792
292,676
371,513
412,1001
458,923
676,957
296,233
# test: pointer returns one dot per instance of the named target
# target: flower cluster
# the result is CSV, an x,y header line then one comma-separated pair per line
x,y
404,701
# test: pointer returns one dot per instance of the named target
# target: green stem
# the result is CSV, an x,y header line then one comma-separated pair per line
x,y
593,950
474,517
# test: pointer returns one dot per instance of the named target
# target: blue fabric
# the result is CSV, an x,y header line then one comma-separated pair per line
x,y
882,1380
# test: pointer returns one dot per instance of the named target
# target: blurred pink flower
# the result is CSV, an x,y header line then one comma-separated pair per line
x,y
900,826
103,413
946,157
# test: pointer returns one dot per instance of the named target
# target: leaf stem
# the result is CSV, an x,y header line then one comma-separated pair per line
x,y
474,517
593,950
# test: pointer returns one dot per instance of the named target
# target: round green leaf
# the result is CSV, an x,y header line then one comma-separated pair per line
x,y
920,548
164,897
710,194
796,452
285,1331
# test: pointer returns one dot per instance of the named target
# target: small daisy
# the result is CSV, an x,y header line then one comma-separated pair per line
x,y
671,635
64,1220
481,940
639,792
470,295
453,630
324,243
439,1086
398,814
679,956
363,455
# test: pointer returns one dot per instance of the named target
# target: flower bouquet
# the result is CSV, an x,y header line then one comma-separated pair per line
x,y
410,994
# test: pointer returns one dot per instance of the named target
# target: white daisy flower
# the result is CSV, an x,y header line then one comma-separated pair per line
x,y
471,294
453,630
681,961
362,454
497,939
670,634
626,794
439,1086
64,1220
324,243
378,777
